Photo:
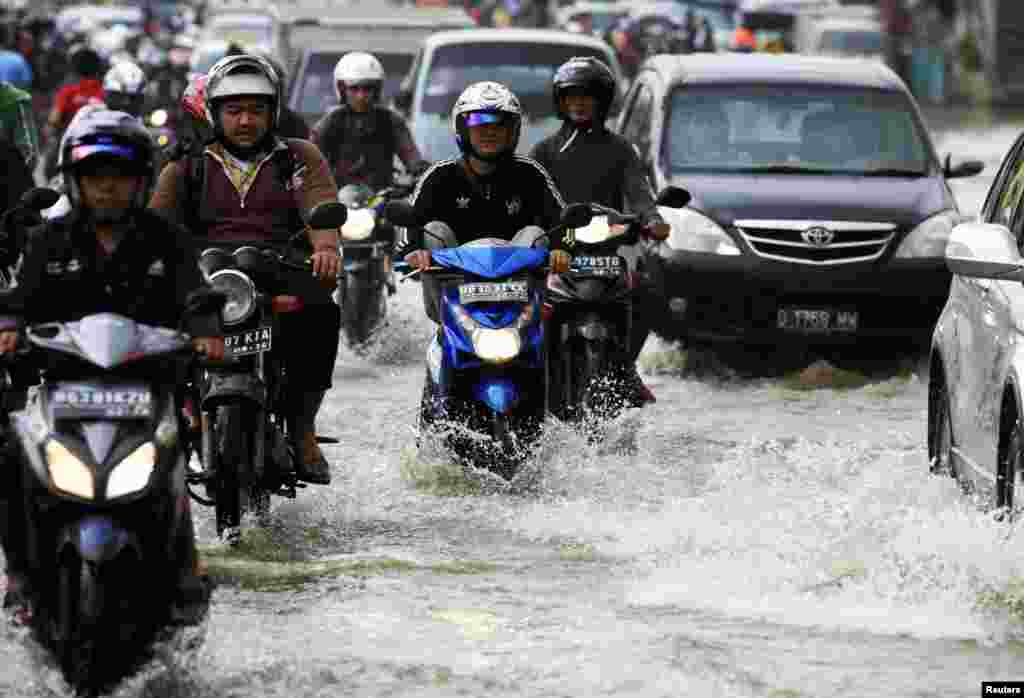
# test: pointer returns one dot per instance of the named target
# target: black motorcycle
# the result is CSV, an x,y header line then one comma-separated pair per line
x,y
106,511
367,240
590,327
243,440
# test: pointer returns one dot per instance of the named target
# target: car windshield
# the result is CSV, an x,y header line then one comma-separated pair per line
x,y
793,129
525,68
314,88
852,41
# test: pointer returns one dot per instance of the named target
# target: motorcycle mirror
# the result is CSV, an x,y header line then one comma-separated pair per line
x,y
39,198
329,214
401,213
673,197
577,215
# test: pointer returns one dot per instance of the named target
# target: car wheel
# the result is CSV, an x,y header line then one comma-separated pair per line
x,y
940,431
1011,470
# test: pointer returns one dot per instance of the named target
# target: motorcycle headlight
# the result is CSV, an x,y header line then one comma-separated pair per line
x,y
930,237
496,346
695,232
359,224
68,473
158,118
132,474
240,292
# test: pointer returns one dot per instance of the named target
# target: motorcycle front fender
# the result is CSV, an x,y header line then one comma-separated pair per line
x,y
222,387
98,539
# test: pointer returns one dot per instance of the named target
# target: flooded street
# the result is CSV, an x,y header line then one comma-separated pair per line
x,y
760,539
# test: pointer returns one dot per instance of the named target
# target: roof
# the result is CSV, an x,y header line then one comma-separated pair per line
x,y
514,34
747,68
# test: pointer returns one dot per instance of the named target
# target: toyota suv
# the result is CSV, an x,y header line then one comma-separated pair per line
x,y
820,210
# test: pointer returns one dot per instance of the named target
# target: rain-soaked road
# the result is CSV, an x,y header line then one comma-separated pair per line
x,y
760,541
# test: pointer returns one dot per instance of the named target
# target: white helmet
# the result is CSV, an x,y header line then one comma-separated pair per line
x,y
235,76
492,97
125,77
357,68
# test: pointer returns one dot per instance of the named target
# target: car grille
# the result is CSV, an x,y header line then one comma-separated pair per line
x,y
817,242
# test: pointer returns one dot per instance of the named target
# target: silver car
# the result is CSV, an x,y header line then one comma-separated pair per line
x,y
975,398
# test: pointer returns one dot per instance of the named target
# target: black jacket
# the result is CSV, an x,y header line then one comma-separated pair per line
x,y
152,277
598,166
518,194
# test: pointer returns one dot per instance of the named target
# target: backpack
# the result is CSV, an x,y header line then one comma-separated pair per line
x,y
284,161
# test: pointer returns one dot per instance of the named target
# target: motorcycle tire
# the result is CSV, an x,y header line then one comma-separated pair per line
x,y
361,307
237,494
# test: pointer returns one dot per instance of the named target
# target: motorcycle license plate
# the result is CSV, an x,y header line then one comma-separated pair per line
x,y
497,292
817,320
248,342
597,266
90,401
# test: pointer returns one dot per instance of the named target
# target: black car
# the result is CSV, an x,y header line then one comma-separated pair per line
x,y
820,210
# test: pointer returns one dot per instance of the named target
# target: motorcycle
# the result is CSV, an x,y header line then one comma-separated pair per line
x,y
106,512
486,366
243,438
590,327
366,243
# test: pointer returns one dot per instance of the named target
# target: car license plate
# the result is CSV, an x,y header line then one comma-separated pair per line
x,y
248,342
504,291
90,401
817,320
598,266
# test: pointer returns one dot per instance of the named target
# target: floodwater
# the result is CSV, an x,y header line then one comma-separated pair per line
x,y
739,538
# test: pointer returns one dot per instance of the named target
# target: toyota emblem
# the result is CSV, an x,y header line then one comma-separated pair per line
x,y
818,236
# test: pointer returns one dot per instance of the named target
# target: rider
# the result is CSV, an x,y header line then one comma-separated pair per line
x,y
123,88
109,254
88,67
591,164
490,191
195,131
359,137
249,184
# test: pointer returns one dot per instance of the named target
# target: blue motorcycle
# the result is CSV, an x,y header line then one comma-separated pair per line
x,y
486,378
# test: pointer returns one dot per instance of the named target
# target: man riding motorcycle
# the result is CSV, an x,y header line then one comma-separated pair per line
x,y
250,185
591,164
108,254
359,137
488,192
123,88
88,68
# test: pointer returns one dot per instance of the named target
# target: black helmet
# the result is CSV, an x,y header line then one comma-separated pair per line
x,y
103,134
85,61
589,74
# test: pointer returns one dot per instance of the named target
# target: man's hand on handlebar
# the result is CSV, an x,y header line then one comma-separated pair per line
x,y
326,263
8,341
419,259
657,230
559,261
209,347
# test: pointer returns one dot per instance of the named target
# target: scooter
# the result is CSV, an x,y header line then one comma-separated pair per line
x,y
592,316
106,512
486,366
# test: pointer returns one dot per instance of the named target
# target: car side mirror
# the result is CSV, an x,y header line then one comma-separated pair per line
x,y
968,168
329,214
673,197
401,213
984,250
577,215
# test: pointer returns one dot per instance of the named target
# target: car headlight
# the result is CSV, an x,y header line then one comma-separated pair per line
x,y
132,474
69,474
930,237
695,232
240,292
359,224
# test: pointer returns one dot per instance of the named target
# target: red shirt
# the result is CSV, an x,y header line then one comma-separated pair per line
x,y
71,98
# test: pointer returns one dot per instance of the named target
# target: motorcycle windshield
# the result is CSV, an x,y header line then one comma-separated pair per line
x,y
490,262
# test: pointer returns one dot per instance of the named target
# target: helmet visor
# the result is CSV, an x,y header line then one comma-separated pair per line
x,y
481,118
116,151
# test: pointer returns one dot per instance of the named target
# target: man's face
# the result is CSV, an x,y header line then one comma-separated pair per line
x,y
245,120
107,190
490,134
360,97
579,106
